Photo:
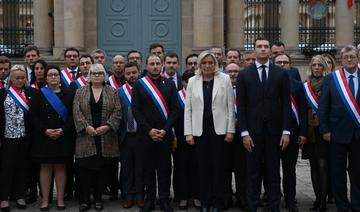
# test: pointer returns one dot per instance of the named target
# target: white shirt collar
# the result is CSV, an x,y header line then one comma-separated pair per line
x,y
258,65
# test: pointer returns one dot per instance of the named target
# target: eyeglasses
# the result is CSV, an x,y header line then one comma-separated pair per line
x,y
282,62
52,75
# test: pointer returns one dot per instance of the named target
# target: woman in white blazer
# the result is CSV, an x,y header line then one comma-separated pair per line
x,y
209,122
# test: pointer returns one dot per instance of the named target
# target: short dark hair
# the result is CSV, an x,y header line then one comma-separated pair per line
x,y
131,64
87,56
171,54
278,43
43,63
71,49
52,66
190,56
156,45
233,50
31,48
133,51
261,38
4,59
187,75
288,56
147,58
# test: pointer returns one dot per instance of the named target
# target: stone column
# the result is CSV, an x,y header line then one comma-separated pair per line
x,y
344,22
203,24
74,24
43,25
218,23
289,24
235,23
58,29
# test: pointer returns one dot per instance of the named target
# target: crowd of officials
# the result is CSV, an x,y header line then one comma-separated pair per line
x,y
227,114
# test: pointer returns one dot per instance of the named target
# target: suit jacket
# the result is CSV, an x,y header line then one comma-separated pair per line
x,y
30,94
111,116
263,106
147,114
333,115
179,81
222,106
294,73
124,110
43,117
297,91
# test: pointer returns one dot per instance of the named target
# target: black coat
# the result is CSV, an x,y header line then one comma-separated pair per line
x,y
44,117
297,91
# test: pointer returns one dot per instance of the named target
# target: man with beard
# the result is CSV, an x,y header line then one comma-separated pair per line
x,y
191,62
31,55
171,65
155,109
118,64
85,61
233,56
71,71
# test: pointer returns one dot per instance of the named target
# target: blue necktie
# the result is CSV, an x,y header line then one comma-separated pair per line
x,y
351,85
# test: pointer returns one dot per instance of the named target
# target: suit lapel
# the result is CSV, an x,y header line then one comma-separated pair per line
x,y
199,87
255,75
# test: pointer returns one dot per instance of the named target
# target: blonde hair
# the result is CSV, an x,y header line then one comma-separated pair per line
x,y
96,68
201,57
323,63
14,68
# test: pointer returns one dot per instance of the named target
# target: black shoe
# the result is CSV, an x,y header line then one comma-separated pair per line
x,y
61,208
30,199
44,208
183,205
68,196
165,206
5,209
148,206
99,206
292,208
84,207
216,210
21,205
204,209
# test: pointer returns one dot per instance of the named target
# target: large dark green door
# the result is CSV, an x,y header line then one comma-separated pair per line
x,y
123,25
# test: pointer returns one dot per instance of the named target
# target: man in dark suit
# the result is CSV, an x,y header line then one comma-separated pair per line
x,y
298,135
263,92
171,67
155,110
340,126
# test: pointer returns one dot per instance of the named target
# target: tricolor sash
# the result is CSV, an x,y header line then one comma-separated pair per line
x,y
19,98
311,97
155,95
2,85
35,85
80,82
126,92
55,102
182,97
113,82
346,95
295,110
66,77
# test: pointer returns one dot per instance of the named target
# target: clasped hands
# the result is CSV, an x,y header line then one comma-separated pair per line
x,y
157,135
54,133
98,131
229,137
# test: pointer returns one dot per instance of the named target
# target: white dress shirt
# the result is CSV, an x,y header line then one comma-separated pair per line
x,y
355,78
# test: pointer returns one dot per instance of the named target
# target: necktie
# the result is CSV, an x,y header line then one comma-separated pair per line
x,y
73,74
130,121
351,85
263,74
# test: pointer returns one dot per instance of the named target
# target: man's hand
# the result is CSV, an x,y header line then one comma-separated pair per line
x,y
190,139
155,134
162,134
284,141
229,137
327,136
301,141
248,143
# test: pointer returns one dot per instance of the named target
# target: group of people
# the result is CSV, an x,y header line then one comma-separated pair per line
x,y
226,113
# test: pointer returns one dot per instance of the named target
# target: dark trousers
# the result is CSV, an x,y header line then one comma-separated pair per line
x,y
70,178
229,168
91,181
239,159
266,148
157,157
132,162
14,167
210,150
113,178
340,156
186,173
289,158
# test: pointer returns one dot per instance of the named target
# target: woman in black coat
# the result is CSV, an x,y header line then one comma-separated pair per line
x,y
15,132
53,140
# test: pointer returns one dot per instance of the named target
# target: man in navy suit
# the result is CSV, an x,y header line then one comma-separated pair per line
x,y
298,135
339,125
170,69
263,114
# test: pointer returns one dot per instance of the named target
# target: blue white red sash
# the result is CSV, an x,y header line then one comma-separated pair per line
x,y
155,95
80,82
126,92
2,85
35,85
19,98
113,82
66,76
312,99
346,95
55,102
295,109
182,97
